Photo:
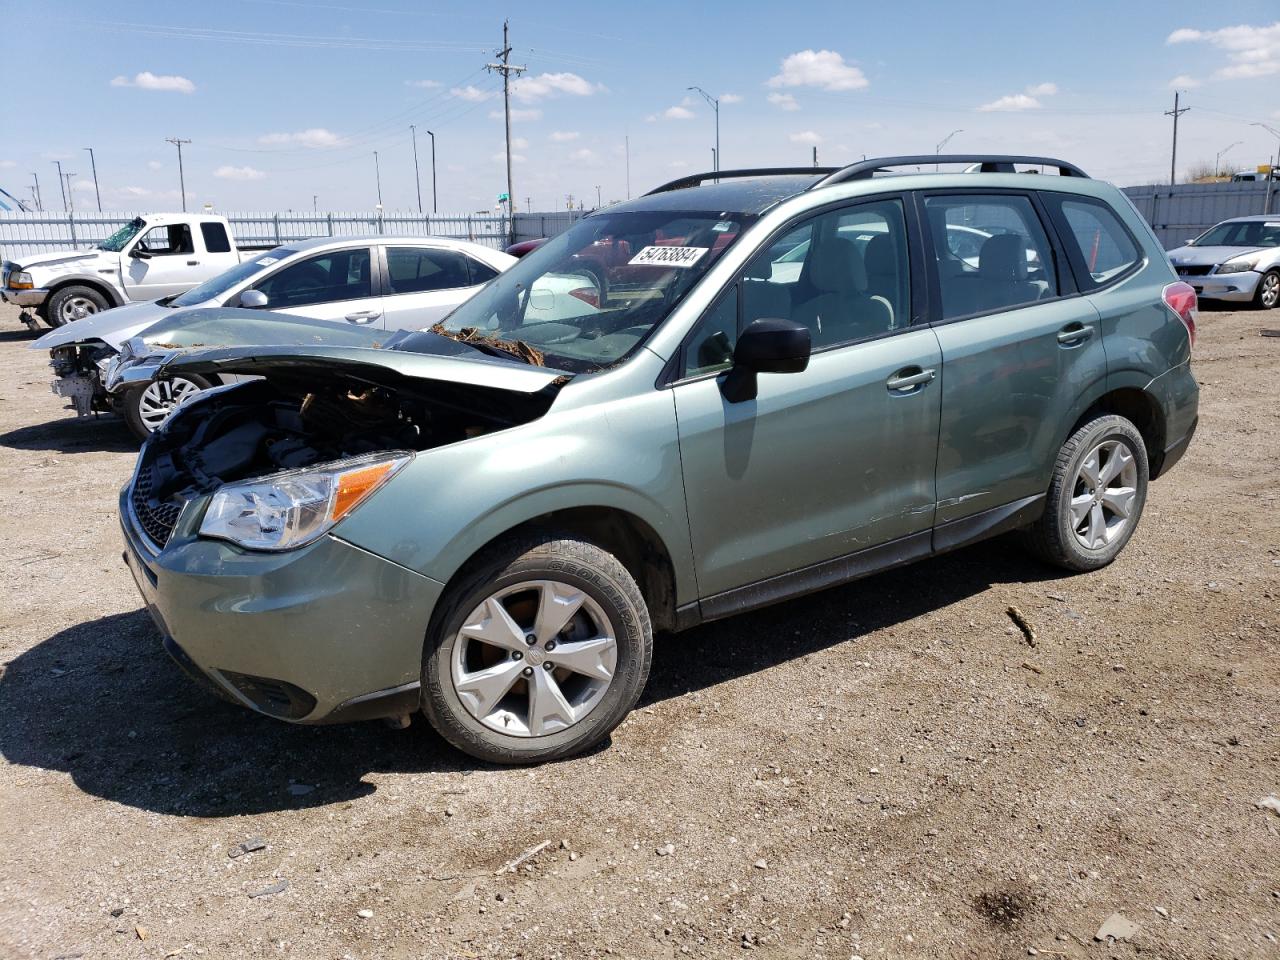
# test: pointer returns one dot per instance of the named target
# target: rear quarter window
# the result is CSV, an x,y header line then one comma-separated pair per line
x,y
1100,247
215,238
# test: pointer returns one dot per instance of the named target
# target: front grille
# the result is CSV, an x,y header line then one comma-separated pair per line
x,y
1194,270
156,518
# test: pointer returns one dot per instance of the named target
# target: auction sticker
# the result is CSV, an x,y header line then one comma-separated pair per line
x,y
667,256
266,261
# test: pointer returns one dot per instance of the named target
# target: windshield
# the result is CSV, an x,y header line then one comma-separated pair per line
x,y
1241,233
589,297
217,286
116,242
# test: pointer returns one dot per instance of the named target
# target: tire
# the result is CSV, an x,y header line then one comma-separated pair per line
x,y
486,722
1069,534
1267,296
72,303
144,408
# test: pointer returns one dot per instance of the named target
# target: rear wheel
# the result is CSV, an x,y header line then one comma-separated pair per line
x,y
1096,497
538,653
74,303
1268,293
144,408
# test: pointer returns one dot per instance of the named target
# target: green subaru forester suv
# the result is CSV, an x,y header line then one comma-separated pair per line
x,y
741,387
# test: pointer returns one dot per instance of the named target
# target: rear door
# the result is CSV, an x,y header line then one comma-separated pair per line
x,y
1019,347
828,462
334,285
424,283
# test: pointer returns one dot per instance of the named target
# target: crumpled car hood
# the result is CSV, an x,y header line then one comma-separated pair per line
x,y
113,327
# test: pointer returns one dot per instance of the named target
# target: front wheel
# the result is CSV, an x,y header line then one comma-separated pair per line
x,y
538,653
145,408
74,303
1268,294
1095,498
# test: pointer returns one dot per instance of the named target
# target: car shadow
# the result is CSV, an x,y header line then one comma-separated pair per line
x,y
9,336
102,702
101,433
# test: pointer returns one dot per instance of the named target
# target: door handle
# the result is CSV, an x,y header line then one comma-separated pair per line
x,y
364,316
908,378
193,263
1074,333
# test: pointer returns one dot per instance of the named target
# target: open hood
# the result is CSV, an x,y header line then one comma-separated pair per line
x,y
113,327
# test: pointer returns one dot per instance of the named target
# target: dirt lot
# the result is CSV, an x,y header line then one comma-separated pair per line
x,y
886,770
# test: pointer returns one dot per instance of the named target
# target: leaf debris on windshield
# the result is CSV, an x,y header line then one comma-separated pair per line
x,y
517,348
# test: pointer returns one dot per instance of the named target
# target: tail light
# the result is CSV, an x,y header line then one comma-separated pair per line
x,y
1181,298
587,295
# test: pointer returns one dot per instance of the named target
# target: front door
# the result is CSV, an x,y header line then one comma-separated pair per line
x,y
336,285
1018,349
161,263
831,461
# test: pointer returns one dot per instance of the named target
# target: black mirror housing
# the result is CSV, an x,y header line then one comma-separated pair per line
x,y
767,345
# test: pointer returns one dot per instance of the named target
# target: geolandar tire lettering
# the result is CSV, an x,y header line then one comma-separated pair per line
x,y
1095,498
537,652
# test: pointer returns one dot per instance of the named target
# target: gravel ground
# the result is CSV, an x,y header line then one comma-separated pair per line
x,y
886,769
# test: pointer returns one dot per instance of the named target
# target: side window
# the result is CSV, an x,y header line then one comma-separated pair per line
x,y
480,272
420,269
1100,246
340,275
844,274
710,347
215,237
992,252
169,241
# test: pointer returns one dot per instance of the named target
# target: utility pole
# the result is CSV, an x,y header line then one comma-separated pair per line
x,y
1173,159
815,155
61,183
39,201
182,176
715,105
96,192
598,203
434,207
377,172
626,149
528,204
507,70
71,200
1271,167
413,131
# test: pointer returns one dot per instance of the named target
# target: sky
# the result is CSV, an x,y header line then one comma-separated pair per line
x,y
284,102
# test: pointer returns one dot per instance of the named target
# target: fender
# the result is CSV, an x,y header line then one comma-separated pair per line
x,y
97,282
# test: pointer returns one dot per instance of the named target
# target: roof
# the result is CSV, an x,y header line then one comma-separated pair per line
x,y
751,195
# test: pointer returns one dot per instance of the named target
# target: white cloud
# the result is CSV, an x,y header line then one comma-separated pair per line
x,y
730,98
1027,100
516,114
135,191
532,89
146,80
84,186
678,113
678,164
783,101
154,165
1183,81
314,137
805,136
8,164
423,84
824,69
56,156
519,143
564,136
238,173
501,157
585,156
1251,51
472,94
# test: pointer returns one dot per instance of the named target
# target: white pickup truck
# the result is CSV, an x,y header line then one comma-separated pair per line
x,y
158,255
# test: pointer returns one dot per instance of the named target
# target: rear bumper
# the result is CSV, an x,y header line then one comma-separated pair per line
x,y
1174,451
322,634
24,298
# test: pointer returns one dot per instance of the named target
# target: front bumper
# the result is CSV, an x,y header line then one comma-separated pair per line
x,y
325,633
1239,287
24,298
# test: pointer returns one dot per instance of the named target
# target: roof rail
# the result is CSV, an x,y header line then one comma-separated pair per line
x,y
697,179
985,162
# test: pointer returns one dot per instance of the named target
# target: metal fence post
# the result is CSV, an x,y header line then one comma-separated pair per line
x,y
71,222
328,219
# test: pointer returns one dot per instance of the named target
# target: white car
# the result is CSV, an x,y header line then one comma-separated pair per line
x,y
1235,261
386,283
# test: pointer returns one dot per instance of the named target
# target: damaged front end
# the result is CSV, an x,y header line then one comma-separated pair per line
x,y
79,375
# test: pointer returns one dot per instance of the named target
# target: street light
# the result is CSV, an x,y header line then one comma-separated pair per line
x,y
937,151
1271,171
715,105
1221,153
434,208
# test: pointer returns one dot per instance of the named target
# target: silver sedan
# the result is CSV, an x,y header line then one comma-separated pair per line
x,y
1237,260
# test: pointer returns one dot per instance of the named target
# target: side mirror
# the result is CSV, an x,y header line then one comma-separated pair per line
x,y
253,299
767,345
137,254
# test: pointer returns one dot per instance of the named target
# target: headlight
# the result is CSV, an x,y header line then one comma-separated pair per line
x,y
1239,265
294,508
20,280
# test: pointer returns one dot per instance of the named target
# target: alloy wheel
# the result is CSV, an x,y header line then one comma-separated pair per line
x,y
1104,494
534,658
1270,294
160,397
77,308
